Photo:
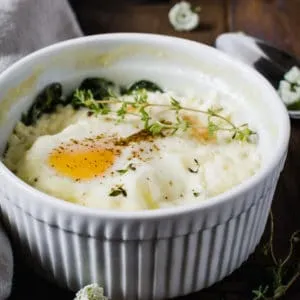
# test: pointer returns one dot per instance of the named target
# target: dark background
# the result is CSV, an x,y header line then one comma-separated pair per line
x,y
277,21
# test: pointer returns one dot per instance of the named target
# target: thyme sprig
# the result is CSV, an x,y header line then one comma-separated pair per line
x,y
280,284
118,190
140,106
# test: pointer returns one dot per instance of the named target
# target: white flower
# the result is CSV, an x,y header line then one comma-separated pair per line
x,y
182,17
91,292
288,95
289,88
293,75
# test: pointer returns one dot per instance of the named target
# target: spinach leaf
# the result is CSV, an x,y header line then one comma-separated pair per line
x,y
101,88
45,102
143,84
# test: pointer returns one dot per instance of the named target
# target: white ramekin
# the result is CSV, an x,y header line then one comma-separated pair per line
x,y
138,255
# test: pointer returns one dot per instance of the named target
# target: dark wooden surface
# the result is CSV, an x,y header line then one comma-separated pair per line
x,y
277,21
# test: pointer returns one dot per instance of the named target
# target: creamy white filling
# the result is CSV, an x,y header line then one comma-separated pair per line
x,y
180,170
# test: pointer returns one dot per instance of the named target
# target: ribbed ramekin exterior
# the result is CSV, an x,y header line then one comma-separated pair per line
x,y
143,259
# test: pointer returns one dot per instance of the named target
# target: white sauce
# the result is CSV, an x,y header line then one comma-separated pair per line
x,y
171,171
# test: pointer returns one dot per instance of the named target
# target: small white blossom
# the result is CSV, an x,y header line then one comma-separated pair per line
x,y
183,17
288,95
91,292
293,75
289,88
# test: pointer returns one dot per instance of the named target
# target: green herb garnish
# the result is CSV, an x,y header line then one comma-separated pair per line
x,y
118,190
83,98
216,122
122,171
130,167
282,275
260,293
96,94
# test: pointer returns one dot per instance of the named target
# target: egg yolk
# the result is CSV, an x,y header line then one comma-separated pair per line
x,y
82,161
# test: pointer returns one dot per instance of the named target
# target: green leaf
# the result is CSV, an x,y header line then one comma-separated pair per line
x,y
156,128
101,88
242,133
260,293
175,104
140,97
144,85
184,125
121,112
118,190
45,102
145,117
129,167
83,98
212,128
122,171
280,291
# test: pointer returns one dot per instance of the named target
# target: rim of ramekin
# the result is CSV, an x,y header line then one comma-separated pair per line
x,y
211,203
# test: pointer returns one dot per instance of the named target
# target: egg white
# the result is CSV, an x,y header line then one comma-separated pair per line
x,y
170,171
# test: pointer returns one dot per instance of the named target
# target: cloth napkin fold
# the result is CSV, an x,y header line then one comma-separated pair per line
x,y
25,26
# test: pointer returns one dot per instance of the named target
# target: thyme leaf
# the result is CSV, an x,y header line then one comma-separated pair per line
x,y
122,171
260,293
118,190
129,167
175,104
85,98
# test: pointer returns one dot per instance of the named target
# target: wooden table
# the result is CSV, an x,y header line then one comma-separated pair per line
x,y
277,21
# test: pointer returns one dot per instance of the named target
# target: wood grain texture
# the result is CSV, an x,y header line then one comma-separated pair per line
x,y
148,16
277,21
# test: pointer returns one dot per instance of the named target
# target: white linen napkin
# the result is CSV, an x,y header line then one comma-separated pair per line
x,y
25,26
